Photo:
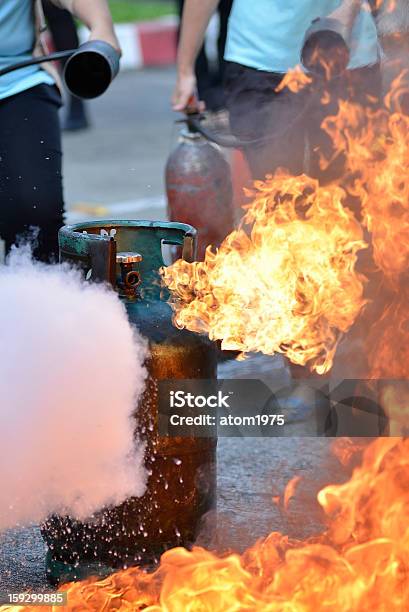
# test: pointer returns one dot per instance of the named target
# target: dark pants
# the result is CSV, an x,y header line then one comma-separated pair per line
x,y
292,120
210,78
31,193
64,33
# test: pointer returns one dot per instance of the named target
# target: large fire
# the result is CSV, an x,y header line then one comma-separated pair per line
x,y
376,148
311,292
286,285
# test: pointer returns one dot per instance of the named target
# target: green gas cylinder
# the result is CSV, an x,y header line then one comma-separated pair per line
x,y
181,485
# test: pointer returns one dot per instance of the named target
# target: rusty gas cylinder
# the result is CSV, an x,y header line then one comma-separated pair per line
x,y
199,189
181,484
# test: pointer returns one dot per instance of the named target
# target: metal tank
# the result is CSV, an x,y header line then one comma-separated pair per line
x,y
199,189
181,485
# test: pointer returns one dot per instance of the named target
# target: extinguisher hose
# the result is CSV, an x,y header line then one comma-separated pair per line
x,y
37,60
229,141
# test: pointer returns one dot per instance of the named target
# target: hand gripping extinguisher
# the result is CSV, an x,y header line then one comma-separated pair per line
x,y
199,185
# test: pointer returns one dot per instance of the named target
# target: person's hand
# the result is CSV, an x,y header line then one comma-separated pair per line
x,y
107,34
184,92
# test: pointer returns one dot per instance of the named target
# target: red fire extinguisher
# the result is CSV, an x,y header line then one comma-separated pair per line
x,y
199,186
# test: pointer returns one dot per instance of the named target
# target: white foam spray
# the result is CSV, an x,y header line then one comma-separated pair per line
x,y
71,373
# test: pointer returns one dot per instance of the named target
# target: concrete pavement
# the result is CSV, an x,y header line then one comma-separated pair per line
x,y
116,168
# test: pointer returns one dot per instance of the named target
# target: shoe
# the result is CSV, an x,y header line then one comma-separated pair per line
x,y
76,117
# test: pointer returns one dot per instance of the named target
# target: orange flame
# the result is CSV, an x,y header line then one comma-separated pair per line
x,y
295,80
388,5
283,501
289,492
376,147
388,342
289,286
398,91
346,449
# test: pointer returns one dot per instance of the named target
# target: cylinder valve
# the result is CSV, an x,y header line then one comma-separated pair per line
x,y
130,277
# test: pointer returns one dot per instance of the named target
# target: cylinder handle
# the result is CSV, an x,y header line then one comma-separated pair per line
x,y
128,257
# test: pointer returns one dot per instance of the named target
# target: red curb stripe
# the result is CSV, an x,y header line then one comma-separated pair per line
x,y
158,44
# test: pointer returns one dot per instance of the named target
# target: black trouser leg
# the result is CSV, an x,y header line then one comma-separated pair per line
x,y
224,13
64,32
31,192
258,112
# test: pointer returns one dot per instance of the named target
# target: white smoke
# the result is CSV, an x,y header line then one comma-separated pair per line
x,y
71,373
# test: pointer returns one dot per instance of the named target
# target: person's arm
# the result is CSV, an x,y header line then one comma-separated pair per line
x,y
347,12
196,17
95,15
